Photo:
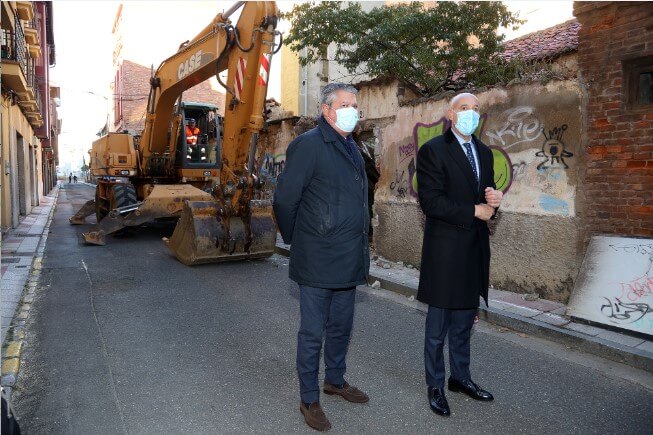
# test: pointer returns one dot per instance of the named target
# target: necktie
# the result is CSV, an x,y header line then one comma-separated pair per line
x,y
470,157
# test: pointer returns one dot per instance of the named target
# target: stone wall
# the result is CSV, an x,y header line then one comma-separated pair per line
x,y
615,47
534,132
271,153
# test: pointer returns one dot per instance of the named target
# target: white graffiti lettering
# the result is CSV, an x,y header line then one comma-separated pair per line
x,y
520,125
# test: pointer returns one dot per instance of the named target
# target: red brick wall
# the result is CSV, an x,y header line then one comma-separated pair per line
x,y
135,89
615,189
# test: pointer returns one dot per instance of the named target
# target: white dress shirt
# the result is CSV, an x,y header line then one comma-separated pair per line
x,y
461,141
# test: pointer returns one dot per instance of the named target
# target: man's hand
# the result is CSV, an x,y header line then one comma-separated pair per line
x,y
493,197
483,212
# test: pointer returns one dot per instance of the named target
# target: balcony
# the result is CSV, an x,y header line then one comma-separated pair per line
x,y
18,74
25,10
31,29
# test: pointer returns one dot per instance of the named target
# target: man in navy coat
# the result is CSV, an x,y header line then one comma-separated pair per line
x,y
456,190
321,208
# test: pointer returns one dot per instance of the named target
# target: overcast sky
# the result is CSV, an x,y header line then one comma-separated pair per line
x,y
84,47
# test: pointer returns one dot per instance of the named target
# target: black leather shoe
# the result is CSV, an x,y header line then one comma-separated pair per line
x,y
438,401
470,388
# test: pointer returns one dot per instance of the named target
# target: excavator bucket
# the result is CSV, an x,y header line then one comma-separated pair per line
x,y
204,235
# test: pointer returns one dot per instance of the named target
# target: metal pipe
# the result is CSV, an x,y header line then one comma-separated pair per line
x,y
252,154
232,9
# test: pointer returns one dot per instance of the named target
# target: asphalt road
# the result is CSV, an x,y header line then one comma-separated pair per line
x,y
125,339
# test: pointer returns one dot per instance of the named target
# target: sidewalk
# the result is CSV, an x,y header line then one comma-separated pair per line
x,y
539,317
22,252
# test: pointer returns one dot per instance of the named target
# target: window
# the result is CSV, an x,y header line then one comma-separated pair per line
x,y
638,83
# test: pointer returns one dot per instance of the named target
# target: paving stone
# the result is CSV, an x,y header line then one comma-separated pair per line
x,y
583,329
559,311
515,309
624,339
10,366
8,380
646,346
13,349
552,319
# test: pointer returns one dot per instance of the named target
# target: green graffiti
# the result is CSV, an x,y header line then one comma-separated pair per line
x,y
426,132
423,133
502,169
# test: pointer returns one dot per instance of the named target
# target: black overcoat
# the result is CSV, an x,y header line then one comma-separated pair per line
x,y
320,205
455,265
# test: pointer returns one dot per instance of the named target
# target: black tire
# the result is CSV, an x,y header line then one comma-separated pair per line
x,y
123,194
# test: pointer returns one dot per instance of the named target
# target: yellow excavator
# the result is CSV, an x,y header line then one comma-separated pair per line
x,y
207,180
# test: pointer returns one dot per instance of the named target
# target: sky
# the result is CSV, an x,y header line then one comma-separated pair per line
x,y
84,49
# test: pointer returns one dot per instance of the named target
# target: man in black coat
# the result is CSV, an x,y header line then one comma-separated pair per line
x,y
455,180
320,204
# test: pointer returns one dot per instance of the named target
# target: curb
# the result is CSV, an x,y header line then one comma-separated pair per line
x,y
576,340
15,342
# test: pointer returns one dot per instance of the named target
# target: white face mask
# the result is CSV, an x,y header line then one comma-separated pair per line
x,y
347,118
467,122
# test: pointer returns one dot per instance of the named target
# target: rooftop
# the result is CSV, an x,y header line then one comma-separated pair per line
x,y
544,44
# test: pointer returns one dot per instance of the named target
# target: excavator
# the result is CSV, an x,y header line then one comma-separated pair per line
x,y
207,181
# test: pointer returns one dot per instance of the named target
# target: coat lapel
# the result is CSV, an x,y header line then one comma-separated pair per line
x,y
456,152
485,162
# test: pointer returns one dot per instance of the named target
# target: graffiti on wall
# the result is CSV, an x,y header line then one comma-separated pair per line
x,y
618,289
422,133
531,159
553,149
516,126
272,166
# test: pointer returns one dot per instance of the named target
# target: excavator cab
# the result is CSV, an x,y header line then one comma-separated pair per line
x,y
204,149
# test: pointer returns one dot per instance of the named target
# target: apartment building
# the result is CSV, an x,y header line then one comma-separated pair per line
x,y
29,123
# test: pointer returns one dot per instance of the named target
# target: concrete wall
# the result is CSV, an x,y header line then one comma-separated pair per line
x,y
534,132
271,154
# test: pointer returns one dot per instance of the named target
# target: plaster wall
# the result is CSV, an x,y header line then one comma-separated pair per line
x,y
534,133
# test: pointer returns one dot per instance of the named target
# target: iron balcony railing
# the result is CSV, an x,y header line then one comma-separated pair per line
x,y
13,48
37,97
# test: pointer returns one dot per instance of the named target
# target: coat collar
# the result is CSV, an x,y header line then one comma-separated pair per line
x,y
330,135
456,152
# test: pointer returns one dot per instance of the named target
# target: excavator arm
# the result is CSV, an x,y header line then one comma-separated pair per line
x,y
244,50
232,226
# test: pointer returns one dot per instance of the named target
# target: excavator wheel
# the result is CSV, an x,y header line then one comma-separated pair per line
x,y
123,194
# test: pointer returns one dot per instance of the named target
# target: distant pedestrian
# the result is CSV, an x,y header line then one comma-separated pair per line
x,y
70,178
320,205
75,178
455,180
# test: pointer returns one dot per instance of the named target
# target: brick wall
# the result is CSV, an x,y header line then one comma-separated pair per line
x,y
615,189
135,89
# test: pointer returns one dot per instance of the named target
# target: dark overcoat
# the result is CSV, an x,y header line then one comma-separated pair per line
x,y
456,249
320,205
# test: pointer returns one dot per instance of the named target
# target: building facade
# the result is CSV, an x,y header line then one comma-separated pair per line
x,y
615,56
29,120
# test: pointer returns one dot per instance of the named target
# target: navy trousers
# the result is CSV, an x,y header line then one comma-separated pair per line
x,y
329,315
458,325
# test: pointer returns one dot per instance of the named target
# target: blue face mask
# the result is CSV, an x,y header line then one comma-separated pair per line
x,y
347,118
467,121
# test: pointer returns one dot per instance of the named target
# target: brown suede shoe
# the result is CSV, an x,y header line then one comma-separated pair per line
x,y
315,417
349,392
